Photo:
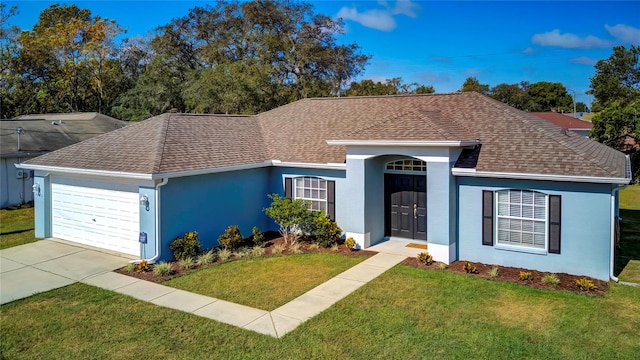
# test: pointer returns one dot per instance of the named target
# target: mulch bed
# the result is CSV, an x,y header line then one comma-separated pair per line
x,y
511,274
272,239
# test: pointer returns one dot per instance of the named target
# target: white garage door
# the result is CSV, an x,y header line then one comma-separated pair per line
x,y
100,214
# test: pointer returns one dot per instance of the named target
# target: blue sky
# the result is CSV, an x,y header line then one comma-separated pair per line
x,y
440,43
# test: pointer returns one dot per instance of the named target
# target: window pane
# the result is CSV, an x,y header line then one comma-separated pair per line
x,y
527,211
540,213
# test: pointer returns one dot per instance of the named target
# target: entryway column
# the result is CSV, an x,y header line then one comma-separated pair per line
x,y
352,195
441,211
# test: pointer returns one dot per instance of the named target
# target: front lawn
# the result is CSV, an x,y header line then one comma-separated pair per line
x,y
628,253
16,227
403,314
265,283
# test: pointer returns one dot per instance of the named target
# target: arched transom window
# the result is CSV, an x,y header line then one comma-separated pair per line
x,y
407,165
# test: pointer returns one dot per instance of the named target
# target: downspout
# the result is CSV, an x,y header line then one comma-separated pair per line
x,y
613,232
158,245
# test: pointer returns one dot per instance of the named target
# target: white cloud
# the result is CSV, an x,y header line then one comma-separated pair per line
x,y
625,33
379,19
528,50
555,38
584,60
375,19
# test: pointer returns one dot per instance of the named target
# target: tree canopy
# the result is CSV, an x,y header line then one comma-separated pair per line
x,y
389,87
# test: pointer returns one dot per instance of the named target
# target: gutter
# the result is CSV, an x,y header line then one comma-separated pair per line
x,y
613,232
525,176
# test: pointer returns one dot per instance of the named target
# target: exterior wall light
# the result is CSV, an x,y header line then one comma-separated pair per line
x,y
36,189
144,201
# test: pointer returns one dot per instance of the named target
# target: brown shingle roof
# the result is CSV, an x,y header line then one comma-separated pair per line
x,y
564,121
512,140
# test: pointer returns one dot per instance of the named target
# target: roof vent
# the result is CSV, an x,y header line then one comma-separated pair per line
x,y
564,131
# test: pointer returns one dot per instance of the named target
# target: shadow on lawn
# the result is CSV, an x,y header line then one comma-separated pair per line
x,y
629,248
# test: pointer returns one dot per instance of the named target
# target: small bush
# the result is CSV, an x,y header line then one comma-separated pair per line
x,y
525,276
494,272
224,254
313,246
186,263
425,258
257,251
257,236
143,266
242,252
442,266
130,267
335,247
327,231
295,248
350,243
469,268
231,238
550,279
277,249
205,258
585,285
163,269
186,246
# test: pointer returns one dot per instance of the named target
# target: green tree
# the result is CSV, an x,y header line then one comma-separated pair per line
x,y
617,79
391,86
292,216
472,84
511,94
548,96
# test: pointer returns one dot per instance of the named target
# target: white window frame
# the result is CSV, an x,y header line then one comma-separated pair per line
x,y
545,222
307,192
404,166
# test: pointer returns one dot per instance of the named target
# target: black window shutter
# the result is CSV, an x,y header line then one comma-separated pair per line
x,y
331,199
288,191
554,223
487,217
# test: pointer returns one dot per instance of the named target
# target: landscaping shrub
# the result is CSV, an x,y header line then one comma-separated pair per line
x,y
470,268
313,246
231,238
242,252
335,247
186,263
494,272
550,279
257,251
224,254
130,267
326,230
205,258
350,243
186,246
525,275
442,266
257,236
295,248
585,284
277,249
425,258
163,269
292,216
144,266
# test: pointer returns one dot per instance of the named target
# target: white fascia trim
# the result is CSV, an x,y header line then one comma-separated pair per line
x,y
204,171
522,176
75,171
404,143
328,166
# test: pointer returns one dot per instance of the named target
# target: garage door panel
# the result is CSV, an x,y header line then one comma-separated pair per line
x,y
96,213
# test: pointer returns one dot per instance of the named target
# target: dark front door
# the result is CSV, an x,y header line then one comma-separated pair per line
x,y
406,206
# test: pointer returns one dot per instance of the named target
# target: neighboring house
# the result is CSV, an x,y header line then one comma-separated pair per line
x,y
471,177
40,134
565,121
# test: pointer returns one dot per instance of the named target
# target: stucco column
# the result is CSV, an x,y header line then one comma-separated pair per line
x,y
42,205
352,196
441,211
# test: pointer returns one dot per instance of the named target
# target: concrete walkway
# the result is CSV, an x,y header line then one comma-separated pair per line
x,y
49,264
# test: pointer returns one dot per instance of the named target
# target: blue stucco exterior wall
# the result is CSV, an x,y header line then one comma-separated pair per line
x,y
585,227
210,203
276,176
42,206
441,204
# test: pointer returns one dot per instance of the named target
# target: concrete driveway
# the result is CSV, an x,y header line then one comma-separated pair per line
x,y
49,264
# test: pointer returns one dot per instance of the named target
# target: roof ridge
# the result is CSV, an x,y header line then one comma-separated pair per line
x,y
157,164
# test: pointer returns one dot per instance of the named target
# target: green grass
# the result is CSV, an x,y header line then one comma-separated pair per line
x,y
405,313
265,283
16,227
588,116
630,198
629,249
